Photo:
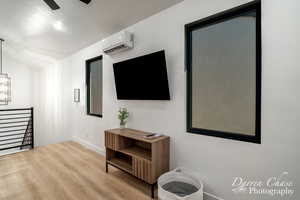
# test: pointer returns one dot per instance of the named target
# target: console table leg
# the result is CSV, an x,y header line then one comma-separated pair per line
x,y
106,167
152,190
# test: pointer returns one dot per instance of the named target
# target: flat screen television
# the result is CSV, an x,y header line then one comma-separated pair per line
x,y
142,78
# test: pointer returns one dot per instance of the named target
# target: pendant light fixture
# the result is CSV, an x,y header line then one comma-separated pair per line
x,y
5,83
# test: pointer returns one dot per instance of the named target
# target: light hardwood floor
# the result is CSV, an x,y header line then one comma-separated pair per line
x,y
65,171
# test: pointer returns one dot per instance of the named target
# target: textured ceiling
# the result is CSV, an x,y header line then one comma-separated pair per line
x,y
30,27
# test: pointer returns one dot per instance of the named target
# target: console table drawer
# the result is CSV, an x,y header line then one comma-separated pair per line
x,y
111,140
142,169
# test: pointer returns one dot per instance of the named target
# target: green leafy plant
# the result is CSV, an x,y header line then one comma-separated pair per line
x,y
123,116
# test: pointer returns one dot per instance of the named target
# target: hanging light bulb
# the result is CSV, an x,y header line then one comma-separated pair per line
x,y
5,83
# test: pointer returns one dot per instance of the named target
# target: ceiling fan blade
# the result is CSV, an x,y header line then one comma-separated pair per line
x,y
52,4
85,1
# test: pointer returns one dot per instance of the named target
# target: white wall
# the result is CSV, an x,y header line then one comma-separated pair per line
x,y
51,97
38,87
217,160
21,82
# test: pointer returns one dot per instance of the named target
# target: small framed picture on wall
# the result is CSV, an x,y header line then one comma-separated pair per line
x,y
76,95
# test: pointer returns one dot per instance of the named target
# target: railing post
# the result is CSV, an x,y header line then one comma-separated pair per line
x,y
32,128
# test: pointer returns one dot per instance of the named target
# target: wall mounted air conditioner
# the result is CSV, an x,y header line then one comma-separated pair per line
x,y
117,43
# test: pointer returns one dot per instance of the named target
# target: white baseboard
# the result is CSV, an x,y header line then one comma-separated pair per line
x,y
89,145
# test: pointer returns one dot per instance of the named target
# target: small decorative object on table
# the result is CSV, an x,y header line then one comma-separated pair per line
x,y
123,116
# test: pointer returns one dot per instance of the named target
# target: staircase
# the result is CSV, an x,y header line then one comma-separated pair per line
x,y
16,130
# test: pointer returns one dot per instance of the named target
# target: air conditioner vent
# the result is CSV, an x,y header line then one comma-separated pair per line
x,y
119,42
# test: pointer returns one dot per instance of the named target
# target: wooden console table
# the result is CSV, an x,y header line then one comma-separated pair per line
x,y
133,152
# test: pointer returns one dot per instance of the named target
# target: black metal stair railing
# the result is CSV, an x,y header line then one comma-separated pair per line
x,y
16,129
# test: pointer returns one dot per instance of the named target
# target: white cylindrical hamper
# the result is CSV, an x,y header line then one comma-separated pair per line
x,y
180,184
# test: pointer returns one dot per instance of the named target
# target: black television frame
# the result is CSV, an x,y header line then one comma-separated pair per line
x,y
167,78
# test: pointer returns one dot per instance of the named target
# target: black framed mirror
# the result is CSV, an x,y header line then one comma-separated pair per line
x,y
223,61
94,86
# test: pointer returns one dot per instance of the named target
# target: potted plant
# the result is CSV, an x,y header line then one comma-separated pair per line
x,y
123,116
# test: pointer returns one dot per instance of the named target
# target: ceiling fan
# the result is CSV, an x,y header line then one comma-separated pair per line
x,y
54,6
